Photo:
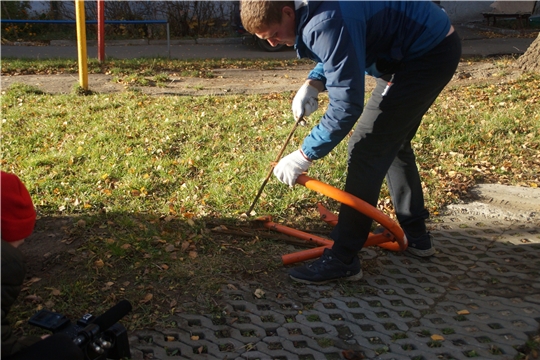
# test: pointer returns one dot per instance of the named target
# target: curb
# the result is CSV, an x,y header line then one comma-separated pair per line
x,y
211,41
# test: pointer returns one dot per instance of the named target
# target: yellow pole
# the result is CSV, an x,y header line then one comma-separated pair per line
x,y
81,43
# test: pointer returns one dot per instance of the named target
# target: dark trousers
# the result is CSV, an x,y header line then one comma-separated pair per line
x,y
13,273
381,145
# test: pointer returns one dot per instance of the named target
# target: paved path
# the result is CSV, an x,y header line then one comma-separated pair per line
x,y
209,51
479,296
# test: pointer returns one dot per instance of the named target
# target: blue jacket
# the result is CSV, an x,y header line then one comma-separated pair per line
x,y
346,39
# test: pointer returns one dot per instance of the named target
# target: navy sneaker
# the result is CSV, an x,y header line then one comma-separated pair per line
x,y
421,246
325,269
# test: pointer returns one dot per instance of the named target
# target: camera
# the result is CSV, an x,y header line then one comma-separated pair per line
x,y
100,337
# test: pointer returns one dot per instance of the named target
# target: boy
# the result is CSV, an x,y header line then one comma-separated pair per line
x,y
412,50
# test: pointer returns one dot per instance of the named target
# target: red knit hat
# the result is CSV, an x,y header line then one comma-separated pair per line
x,y
18,214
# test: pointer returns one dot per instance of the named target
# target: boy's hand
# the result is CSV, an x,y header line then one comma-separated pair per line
x,y
291,166
305,101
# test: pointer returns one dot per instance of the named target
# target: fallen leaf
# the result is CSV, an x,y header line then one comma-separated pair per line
x,y
353,355
187,214
126,246
259,293
19,323
31,281
147,298
436,337
170,338
231,287
55,292
463,312
173,303
194,337
193,254
165,267
99,263
185,246
169,248
33,298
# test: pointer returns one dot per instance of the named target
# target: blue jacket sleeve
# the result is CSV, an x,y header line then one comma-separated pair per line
x,y
344,71
318,73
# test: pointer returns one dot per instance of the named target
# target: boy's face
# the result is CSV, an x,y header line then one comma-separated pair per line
x,y
280,33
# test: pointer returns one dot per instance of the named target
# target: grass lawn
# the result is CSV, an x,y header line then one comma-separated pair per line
x,y
141,181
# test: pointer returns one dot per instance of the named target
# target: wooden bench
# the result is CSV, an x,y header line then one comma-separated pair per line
x,y
519,10
522,19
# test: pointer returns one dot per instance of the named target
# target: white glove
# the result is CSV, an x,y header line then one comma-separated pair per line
x,y
291,166
305,101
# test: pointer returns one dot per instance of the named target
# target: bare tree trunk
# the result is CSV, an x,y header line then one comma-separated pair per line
x,y
530,61
54,10
5,11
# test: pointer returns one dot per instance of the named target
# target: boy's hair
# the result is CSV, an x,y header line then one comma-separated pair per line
x,y
256,14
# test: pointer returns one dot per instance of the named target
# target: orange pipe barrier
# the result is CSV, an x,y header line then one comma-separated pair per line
x,y
327,216
357,204
374,239
303,255
392,238
297,234
382,240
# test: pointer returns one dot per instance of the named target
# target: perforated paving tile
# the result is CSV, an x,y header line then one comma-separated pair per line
x,y
480,293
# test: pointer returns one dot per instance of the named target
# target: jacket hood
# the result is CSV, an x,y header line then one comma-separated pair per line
x,y
304,10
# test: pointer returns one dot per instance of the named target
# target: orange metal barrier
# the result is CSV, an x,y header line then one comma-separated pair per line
x,y
392,238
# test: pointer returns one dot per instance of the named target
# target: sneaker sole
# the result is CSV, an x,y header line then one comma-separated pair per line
x,y
348,278
421,253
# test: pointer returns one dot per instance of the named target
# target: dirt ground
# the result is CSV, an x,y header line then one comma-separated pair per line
x,y
237,81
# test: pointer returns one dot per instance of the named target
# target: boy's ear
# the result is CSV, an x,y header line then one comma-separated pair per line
x,y
288,11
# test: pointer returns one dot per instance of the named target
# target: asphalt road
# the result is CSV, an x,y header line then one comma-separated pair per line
x,y
481,47
194,51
